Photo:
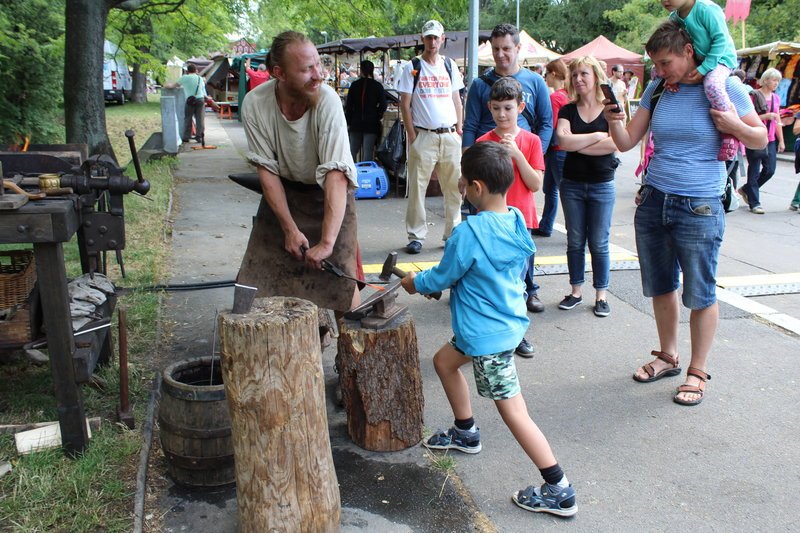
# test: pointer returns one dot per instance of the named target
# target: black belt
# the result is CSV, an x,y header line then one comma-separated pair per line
x,y
449,129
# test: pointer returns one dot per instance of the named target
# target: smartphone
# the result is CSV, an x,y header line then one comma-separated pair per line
x,y
608,92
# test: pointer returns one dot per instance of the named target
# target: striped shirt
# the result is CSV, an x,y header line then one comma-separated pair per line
x,y
686,142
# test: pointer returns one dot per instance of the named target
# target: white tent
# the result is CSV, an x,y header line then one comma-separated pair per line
x,y
530,52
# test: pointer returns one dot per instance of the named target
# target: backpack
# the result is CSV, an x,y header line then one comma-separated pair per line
x,y
416,65
525,112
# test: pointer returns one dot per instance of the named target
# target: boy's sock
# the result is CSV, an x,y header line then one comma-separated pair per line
x,y
468,424
553,475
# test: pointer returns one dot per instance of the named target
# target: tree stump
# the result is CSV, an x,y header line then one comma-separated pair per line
x,y
381,384
272,370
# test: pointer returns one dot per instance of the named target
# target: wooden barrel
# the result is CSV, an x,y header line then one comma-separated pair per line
x,y
194,424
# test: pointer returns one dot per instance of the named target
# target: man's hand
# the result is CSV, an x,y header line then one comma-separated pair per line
x,y
408,283
781,146
296,244
316,254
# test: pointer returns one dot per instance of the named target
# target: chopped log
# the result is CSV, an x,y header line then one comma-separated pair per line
x,y
381,384
272,370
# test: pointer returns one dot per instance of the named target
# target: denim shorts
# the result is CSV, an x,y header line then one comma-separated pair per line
x,y
679,233
495,375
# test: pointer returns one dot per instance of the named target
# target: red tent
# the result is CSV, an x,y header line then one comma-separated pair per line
x,y
604,50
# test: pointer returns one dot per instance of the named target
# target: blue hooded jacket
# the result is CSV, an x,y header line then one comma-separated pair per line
x,y
482,263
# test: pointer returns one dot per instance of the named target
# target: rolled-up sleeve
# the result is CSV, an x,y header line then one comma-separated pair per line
x,y
334,143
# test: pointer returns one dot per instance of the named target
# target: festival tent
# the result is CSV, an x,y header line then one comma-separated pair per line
x,y
604,50
770,50
530,52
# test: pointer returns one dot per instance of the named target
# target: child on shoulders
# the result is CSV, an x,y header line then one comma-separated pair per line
x,y
705,22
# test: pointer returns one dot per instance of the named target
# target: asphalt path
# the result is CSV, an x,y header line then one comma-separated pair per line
x,y
638,461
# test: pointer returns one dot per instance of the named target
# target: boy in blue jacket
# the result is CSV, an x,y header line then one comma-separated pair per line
x,y
482,263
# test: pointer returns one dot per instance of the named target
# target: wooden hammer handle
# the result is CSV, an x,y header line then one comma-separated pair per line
x,y
397,272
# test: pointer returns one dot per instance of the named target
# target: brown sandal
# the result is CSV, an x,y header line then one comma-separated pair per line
x,y
694,389
667,372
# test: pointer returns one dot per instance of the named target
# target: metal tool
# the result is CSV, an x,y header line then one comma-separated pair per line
x,y
390,267
124,413
379,309
327,266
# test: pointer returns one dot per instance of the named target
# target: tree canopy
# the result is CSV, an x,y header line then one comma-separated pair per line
x,y
34,45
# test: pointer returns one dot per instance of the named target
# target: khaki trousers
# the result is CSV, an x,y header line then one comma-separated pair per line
x,y
428,152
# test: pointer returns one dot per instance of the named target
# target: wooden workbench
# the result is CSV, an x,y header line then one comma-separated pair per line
x,y
48,224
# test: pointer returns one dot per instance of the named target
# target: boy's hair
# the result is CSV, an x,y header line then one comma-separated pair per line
x,y
506,88
490,163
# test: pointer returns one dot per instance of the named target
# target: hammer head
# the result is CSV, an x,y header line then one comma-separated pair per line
x,y
388,266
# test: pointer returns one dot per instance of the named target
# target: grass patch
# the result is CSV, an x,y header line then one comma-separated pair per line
x,y
46,491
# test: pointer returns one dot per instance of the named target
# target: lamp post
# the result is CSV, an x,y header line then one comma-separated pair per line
x,y
324,34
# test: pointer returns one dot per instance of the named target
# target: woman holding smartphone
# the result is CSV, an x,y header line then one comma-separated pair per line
x,y
587,186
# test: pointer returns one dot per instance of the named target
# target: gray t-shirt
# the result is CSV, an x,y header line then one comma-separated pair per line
x,y
302,150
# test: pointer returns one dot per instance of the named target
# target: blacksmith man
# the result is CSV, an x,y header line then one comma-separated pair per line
x,y
297,136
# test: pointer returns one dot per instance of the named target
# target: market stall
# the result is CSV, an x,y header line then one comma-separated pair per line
x,y
783,56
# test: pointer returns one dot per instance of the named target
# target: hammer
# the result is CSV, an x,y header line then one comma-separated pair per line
x,y
390,267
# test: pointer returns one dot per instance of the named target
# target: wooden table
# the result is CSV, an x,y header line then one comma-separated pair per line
x,y
48,224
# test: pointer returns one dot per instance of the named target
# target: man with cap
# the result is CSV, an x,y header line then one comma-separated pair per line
x,y
432,114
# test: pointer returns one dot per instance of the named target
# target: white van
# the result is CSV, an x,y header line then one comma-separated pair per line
x,y
117,81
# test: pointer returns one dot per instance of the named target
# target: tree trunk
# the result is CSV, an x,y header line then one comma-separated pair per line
x,y
84,105
381,384
272,370
139,90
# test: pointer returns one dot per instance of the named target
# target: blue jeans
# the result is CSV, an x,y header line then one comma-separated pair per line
x,y
587,212
679,233
553,170
760,168
531,287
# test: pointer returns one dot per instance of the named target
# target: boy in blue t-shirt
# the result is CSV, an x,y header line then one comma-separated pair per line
x,y
482,263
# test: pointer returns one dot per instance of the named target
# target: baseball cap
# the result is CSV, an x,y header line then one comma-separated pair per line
x,y
432,27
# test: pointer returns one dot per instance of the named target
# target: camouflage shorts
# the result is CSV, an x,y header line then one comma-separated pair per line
x,y
495,375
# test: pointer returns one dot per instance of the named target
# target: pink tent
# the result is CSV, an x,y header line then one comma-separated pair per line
x,y
604,50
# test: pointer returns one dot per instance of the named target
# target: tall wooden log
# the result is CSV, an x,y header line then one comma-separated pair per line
x,y
272,369
381,384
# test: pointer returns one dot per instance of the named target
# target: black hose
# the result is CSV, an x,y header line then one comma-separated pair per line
x,y
175,287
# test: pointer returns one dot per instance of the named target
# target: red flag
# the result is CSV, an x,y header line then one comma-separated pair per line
x,y
737,10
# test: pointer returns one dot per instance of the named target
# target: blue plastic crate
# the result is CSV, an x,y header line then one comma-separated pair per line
x,y
372,180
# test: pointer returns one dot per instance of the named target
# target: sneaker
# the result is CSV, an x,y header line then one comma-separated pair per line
x,y
757,210
525,349
570,301
455,439
601,308
743,195
550,499
794,207
533,304
539,233
414,247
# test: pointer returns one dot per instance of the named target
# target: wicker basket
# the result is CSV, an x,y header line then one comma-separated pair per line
x,y
17,277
